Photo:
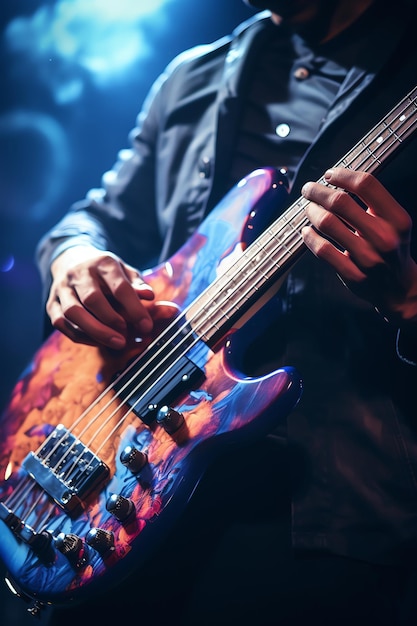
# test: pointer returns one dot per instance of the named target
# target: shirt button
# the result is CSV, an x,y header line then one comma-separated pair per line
x,y
301,73
282,130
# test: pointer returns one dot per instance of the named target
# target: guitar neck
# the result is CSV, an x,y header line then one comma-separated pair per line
x,y
257,273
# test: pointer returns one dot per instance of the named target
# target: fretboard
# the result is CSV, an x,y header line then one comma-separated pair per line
x,y
250,280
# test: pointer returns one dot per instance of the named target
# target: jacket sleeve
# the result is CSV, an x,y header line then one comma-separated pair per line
x,y
120,216
128,215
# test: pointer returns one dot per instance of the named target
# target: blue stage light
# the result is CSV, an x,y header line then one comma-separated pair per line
x,y
72,41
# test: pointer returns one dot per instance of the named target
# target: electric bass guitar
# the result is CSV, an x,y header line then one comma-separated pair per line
x,y
100,452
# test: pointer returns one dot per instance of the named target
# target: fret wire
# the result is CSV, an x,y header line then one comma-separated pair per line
x,y
260,255
385,149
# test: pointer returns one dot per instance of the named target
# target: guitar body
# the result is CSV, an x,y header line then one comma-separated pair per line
x,y
49,541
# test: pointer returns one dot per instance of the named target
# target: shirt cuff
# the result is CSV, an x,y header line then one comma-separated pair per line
x,y
71,242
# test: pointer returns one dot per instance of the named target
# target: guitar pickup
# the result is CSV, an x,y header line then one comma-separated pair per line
x,y
66,469
167,387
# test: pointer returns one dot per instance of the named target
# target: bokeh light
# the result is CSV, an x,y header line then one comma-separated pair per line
x,y
73,74
69,40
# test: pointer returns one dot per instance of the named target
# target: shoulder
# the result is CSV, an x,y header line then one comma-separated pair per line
x,y
198,72
199,55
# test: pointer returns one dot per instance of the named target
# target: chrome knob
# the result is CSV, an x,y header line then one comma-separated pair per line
x,y
133,459
122,508
170,419
73,547
42,546
101,540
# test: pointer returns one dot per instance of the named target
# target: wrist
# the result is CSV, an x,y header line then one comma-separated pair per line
x,y
72,253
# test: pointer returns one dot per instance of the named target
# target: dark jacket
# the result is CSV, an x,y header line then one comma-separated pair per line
x,y
354,433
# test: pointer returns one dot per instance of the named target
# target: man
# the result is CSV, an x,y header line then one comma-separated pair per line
x,y
319,521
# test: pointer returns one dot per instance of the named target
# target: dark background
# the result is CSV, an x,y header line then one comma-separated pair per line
x,y
74,76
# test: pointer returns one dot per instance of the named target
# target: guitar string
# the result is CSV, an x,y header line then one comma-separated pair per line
x,y
113,431
117,425
26,492
115,428
188,347
140,372
214,324
123,419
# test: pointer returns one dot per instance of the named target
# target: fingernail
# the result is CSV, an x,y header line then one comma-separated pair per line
x,y
138,283
145,287
117,343
305,189
328,174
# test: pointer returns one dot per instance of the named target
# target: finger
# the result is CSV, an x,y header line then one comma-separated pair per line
x,y
379,233
69,316
73,333
361,251
84,294
338,259
144,291
372,193
340,204
125,285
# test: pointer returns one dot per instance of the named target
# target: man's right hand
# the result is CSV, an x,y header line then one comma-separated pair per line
x,y
97,299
